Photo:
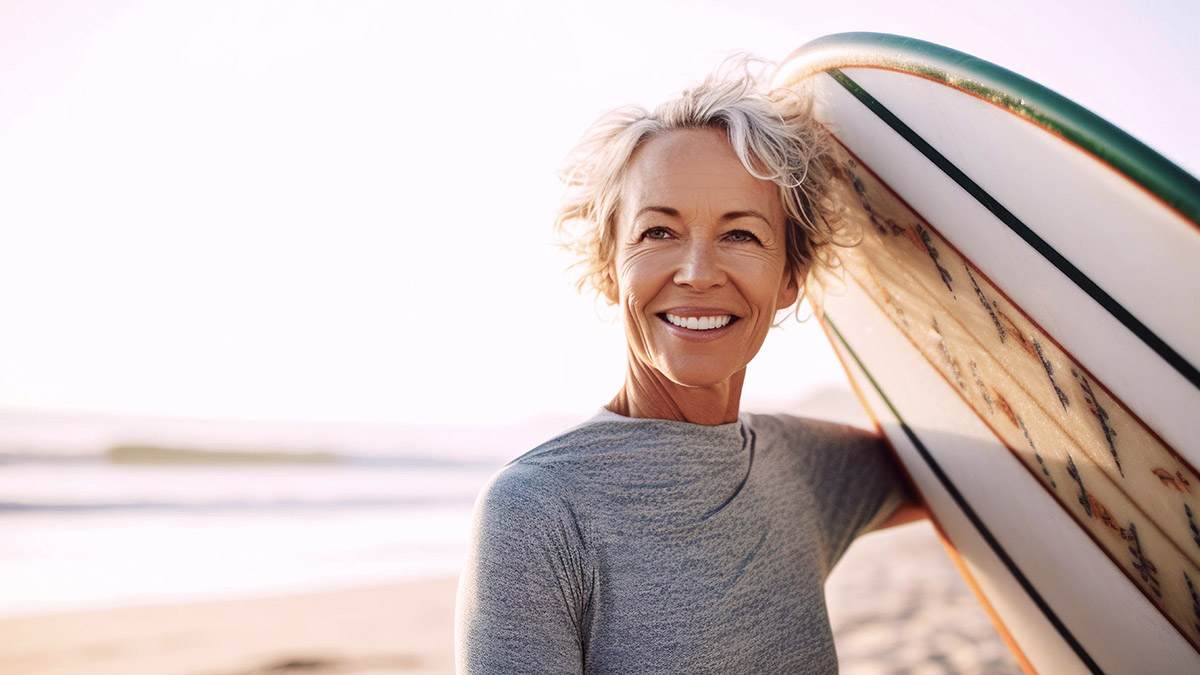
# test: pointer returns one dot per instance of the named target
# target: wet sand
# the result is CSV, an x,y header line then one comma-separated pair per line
x,y
896,603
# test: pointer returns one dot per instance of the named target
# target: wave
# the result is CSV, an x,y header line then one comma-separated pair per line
x,y
140,455
238,505
101,486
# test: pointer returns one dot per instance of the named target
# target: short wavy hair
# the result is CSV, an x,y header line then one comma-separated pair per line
x,y
773,133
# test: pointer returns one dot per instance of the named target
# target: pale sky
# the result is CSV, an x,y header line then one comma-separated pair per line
x,y
341,210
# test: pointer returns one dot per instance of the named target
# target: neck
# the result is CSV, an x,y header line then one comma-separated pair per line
x,y
647,393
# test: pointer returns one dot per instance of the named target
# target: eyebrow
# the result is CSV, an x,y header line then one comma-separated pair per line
x,y
674,213
734,215
665,210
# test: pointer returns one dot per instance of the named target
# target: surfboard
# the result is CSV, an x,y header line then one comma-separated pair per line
x,y
1020,312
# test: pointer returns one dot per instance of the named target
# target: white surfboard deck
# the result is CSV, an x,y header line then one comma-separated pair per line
x,y
1022,318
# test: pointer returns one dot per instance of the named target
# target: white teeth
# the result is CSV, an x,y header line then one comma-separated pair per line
x,y
700,322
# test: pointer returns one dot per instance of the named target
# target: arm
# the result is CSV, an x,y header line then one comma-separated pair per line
x,y
522,595
858,483
910,510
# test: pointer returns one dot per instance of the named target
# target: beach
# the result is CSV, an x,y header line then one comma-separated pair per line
x,y
897,605
393,628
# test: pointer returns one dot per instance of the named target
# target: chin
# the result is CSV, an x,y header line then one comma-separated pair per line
x,y
691,376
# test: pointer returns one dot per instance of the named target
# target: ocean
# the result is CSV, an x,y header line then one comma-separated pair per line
x,y
99,512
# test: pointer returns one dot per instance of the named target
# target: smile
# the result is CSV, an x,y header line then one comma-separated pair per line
x,y
699,322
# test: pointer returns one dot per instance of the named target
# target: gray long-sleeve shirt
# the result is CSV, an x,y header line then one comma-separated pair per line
x,y
648,546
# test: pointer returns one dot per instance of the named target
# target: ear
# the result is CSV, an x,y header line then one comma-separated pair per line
x,y
789,290
609,287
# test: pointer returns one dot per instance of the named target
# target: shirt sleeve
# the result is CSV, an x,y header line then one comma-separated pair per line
x,y
856,481
523,594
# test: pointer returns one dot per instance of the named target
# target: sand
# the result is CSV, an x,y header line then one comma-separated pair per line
x,y
398,628
896,603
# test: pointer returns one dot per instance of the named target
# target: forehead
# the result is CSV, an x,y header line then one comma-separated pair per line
x,y
687,164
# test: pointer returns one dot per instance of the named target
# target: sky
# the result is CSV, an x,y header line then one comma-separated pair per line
x,y
342,210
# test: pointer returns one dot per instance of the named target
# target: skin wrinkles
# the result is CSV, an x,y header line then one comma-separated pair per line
x,y
697,236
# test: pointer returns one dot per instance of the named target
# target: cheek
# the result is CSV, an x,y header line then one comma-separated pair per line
x,y
762,279
636,278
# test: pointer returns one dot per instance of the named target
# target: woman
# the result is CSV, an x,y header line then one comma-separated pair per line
x,y
670,533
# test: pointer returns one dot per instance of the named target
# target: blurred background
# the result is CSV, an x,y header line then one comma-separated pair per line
x,y
278,293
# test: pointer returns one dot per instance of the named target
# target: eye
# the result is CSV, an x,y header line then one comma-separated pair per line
x,y
741,237
656,233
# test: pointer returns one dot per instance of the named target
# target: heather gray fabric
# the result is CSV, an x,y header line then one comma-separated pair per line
x,y
647,546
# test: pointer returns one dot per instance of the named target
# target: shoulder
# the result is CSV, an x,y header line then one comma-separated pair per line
x,y
523,517
517,492
590,453
829,455
582,471
604,434
544,480
803,433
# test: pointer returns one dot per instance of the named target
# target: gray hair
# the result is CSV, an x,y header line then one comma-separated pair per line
x,y
773,134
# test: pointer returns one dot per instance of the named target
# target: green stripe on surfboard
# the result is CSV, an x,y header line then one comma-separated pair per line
x,y
1002,87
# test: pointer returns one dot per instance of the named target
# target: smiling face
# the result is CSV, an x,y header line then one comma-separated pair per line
x,y
701,264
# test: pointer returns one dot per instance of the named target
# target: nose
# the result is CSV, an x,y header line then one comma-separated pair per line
x,y
700,269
